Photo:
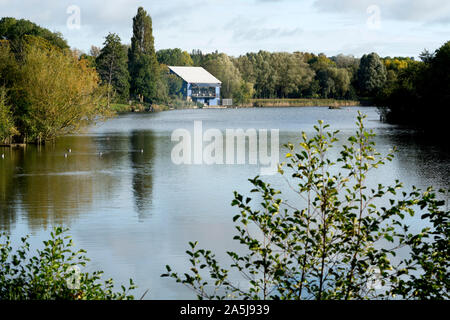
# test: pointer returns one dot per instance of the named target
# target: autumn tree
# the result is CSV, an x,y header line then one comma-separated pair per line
x,y
142,62
55,93
112,66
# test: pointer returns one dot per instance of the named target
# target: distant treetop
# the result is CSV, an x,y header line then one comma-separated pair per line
x,y
15,30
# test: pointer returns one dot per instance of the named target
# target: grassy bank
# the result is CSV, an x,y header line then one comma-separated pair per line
x,y
122,108
301,102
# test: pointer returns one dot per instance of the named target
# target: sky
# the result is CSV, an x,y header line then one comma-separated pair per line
x,y
388,27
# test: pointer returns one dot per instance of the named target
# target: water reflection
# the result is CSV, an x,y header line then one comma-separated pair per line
x,y
142,155
420,160
134,211
7,188
48,185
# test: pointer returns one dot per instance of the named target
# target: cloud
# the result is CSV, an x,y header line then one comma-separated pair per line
x,y
244,29
430,11
238,26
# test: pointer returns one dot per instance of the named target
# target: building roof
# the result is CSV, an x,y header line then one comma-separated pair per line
x,y
195,75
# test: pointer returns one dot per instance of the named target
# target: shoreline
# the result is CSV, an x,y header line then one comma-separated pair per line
x,y
254,103
302,103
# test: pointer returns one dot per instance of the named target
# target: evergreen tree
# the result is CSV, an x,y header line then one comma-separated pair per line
x,y
112,67
142,63
371,74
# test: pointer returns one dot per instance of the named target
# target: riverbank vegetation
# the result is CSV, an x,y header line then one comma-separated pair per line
x,y
46,90
418,93
136,75
346,241
301,102
52,273
338,235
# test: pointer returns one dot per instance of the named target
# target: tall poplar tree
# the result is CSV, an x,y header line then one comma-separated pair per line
x,y
142,62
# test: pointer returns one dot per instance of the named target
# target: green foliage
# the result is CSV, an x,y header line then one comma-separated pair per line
x,y
419,92
142,63
51,273
426,273
8,64
333,82
7,129
54,93
197,57
50,90
174,57
221,66
295,75
174,84
371,74
244,94
112,66
338,243
16,30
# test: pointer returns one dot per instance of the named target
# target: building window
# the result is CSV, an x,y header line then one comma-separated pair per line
x,y
203,92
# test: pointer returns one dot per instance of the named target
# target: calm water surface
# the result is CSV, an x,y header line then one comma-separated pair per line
x,y
134,211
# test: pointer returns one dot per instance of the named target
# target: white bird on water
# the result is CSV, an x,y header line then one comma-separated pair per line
x,y
100,154
3,156
70,150
142,150
65,155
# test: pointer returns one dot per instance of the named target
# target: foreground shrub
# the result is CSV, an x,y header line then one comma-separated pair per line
x,y
340,244
52,273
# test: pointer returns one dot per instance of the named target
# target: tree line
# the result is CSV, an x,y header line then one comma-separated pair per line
x,y
47,89
420,92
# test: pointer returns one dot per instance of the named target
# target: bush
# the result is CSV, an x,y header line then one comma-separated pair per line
x,y
340,244
52,273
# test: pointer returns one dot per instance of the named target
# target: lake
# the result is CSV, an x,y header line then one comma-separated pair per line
x,y
134,210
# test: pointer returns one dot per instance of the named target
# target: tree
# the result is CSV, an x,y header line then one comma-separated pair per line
x,y
332,81
8,64
426,56
142,62
419,93
7,128
292,73
174,84
197,57
174,57
15,31
112,66
243,94
94,51
371,74
54,93
222,67
330,247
